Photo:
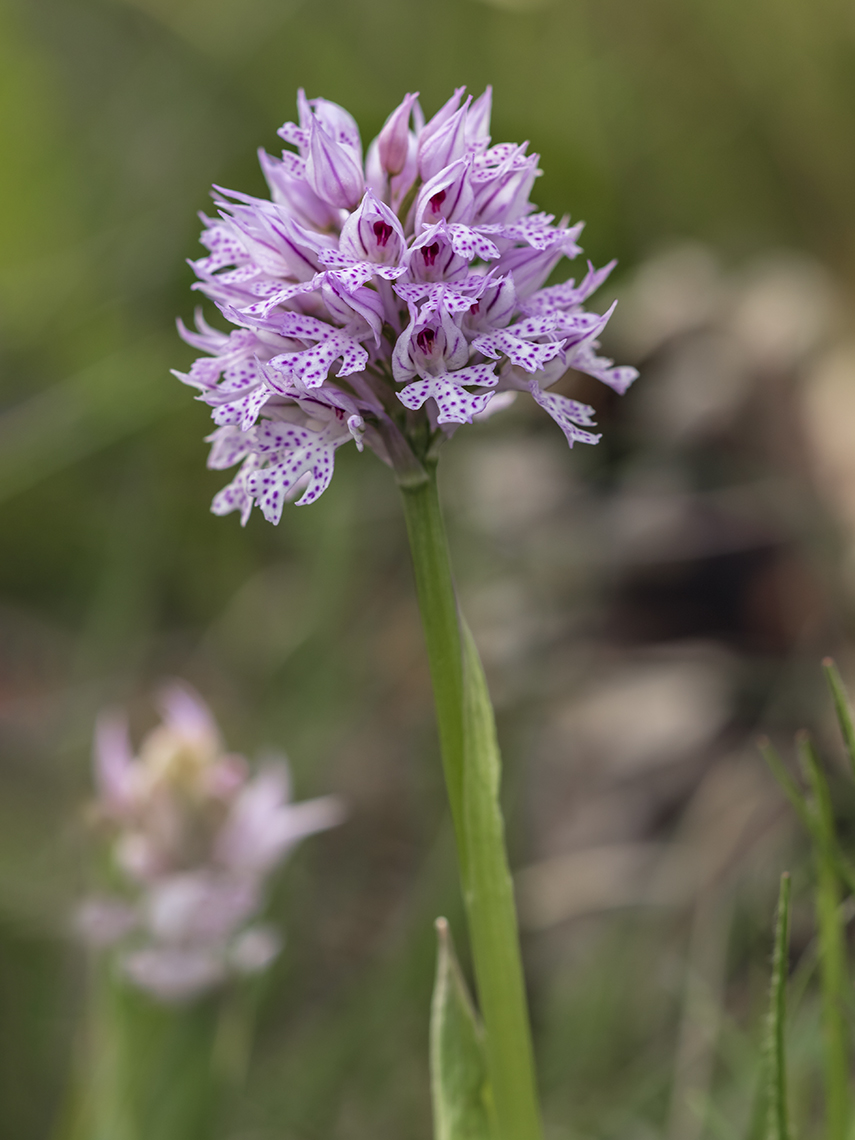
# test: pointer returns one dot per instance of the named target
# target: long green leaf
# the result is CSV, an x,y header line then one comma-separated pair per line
x,y
459,1082
778,1127
492,912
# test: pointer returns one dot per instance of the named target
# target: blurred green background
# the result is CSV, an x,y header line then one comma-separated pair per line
x,y
644,608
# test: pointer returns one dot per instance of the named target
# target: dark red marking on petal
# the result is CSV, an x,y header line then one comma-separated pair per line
x,y
430,252
382,231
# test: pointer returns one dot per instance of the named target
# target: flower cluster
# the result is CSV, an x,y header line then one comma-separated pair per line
x,y
195,838
384,301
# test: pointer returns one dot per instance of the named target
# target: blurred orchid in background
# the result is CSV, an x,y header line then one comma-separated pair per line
x,y
386,302
195,838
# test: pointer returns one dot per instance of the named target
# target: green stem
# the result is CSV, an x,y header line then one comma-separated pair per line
x,y
467,742
146,1070
438,605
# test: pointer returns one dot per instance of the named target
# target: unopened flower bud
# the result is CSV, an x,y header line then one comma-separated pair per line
x,y
332,170
393,140
444,146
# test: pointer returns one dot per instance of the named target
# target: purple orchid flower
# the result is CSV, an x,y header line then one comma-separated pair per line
x,y
415,280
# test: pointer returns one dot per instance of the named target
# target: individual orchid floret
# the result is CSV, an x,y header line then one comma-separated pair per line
x,y
431,344
432,257
194,837
384,301
448,195
433,347
372,237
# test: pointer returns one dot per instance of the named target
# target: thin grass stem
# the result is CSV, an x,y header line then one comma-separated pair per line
x,y
841,708
832,950
778,1125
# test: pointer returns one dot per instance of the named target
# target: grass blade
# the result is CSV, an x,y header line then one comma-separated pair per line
x,y
808,812
778,1127
788,785
832,950
841,707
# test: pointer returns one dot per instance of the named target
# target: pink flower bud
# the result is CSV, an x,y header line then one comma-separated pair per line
x,y
445,146
332,170
393,140
478,119
441,117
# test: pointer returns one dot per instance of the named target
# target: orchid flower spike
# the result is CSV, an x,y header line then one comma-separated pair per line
x,y
385,302
195,837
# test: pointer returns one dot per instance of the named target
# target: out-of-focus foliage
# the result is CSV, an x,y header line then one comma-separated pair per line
x,y
642,609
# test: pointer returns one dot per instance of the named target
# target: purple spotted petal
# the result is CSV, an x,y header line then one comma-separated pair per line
x,y
454,403
307,453
229,446
523,353
244,411
571,416
312,366
234,496
603,369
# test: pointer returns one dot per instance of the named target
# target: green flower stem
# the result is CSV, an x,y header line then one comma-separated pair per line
x,y
147,1070
471,763
438,605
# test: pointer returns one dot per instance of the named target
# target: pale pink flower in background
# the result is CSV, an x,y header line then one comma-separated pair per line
x,y
195,836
